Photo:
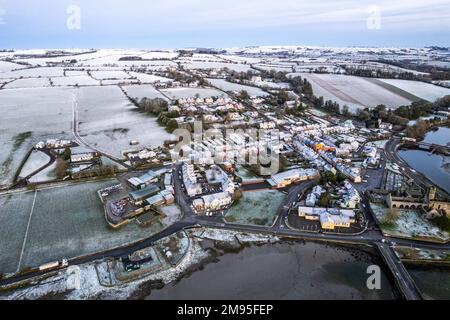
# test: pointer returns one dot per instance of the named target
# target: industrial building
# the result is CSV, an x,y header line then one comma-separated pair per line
x,y
138,196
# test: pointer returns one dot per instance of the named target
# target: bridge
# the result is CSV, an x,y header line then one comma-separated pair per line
x,y
431,147
279,228
403,280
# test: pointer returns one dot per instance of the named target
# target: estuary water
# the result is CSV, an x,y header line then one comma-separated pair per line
x,y
434,166
288,270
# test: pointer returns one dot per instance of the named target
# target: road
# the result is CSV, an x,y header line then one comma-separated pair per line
x,y
23,182
390,151
288,201
190,219
404,281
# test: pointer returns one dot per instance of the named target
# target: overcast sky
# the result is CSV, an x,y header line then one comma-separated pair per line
x,y
222,23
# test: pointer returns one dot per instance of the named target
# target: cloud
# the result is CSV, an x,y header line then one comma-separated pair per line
x,y
202,19
179,15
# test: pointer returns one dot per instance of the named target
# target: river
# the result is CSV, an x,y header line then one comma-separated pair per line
x,y
435,167
434,282
288,270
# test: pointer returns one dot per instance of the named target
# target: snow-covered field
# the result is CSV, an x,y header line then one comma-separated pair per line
x,y
217,65
67,221
143,91
44,112
149,64
272,85
6,66
323,67
276,67
43,61
148,78
259,207
355,92
112,82
108,121
159,55
180,93
228,86
104,75
241,59
47,174
80,80
33,73
409,223
423,90
36,160
28,83
75,73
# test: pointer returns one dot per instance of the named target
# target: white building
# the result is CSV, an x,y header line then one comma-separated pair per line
x,y
329,218
216,201
286,178
310,200
190,180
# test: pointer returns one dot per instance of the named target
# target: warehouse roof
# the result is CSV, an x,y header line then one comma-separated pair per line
x,y
144,193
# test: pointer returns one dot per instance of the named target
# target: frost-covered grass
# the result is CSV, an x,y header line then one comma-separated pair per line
x,y
276,67
80,80
228,86
217,65
6,66
14,213
159,55
311,67
172,212
44,72
272,85
241,59
246,174
67,221
423,90
179,93
47,112
104,75
47,174
83,57
259,207
421,254
148,78
75,73
355,92
36,160
143,91
409,223
108,121
28,83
